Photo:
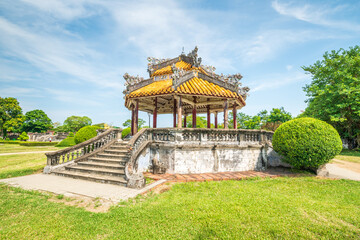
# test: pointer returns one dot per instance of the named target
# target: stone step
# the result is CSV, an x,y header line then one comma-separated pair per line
x,y
111,155
120,143
101,165
116,147
100,171
117,180
116,151
121,161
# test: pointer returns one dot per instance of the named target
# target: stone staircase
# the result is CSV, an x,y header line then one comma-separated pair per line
x,y
108,166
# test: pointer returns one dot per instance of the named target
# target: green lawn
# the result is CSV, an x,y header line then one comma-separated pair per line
x,y
349,155
13,148
21,164
282,208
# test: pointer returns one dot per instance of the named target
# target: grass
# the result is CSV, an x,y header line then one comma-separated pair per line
x,y
349,156
281,208
21,164
14,148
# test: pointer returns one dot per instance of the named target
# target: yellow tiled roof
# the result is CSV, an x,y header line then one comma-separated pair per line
x,y
167,69
195,86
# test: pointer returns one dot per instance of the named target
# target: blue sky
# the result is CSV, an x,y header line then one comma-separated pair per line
x,y
68,57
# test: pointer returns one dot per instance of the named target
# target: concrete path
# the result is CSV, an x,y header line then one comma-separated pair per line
x,y
74,187
333,170
4,154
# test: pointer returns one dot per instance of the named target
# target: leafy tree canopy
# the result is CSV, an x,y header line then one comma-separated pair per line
x,y
201,122
334,93
74,123
11,116
127,123
36,121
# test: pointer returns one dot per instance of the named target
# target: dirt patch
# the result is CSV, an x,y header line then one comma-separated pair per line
x,y
89,204
355,167
166,186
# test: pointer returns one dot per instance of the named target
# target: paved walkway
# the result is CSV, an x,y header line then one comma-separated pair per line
x,y
70,187
4,154
334,170
217,176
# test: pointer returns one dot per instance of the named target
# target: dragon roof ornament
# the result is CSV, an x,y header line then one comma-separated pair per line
x,y
132,80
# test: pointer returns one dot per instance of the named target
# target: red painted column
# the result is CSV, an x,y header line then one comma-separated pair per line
x,y
185,120
132,120
174,114
234,116
155,113
208,117
136,125
194,114
216,120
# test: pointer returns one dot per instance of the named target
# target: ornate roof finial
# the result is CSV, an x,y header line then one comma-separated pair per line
x,y
182,53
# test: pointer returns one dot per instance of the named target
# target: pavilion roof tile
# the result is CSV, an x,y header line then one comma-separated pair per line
x,y
196,86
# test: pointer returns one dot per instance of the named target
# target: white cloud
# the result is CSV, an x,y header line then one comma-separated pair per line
x,y
314,14
289,67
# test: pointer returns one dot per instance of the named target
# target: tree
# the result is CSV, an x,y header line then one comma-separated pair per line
x,y
74,123
278,115
23,136
127,123
334,93
36,121
11,116
201,122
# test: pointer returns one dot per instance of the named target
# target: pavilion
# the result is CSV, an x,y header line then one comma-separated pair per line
x,y
183,86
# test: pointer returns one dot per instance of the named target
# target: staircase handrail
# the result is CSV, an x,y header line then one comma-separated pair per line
x,y
82,149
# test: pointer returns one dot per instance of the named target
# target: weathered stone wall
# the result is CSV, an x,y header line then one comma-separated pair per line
x,y
167,158
202,151
45,137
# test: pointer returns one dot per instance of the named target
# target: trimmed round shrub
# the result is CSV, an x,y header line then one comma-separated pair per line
x,y
67,142
125,132
307,142
23,137
85,133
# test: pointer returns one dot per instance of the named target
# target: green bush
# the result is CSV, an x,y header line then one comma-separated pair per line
x,y
71,134
7,139
23,136
85,133
125,132
307,142
67,142
33,144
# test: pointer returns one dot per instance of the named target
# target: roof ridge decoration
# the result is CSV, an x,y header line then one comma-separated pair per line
x,y
179,75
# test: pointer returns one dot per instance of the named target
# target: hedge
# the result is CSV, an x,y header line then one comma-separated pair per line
x,y
67,142
33,144
307,143
10,142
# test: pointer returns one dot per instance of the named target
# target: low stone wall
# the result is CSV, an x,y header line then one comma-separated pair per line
x,y
45,137
206,151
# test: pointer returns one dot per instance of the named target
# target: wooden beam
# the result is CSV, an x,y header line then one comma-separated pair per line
x,y
194,114
155,113
174,114
234,116
226,122
132,119
216,119
208,117
179,112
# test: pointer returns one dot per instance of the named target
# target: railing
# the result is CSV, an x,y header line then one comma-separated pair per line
x,y
175,136
83,149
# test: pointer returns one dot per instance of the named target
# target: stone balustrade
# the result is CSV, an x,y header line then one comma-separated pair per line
x,y
82,150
